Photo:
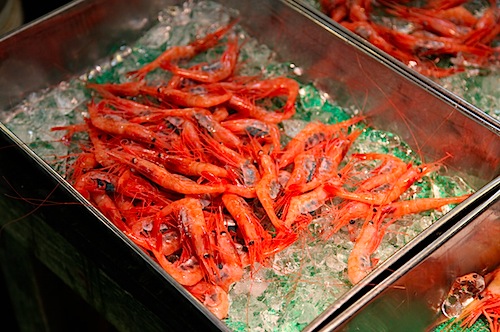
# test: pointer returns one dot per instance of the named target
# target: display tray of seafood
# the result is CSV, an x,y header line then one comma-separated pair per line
x,y
455,44
260,161
453,286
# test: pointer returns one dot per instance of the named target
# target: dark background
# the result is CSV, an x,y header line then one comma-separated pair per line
x,y
76,315
35,8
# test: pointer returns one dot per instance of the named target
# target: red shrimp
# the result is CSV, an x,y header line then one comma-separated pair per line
x,y
134,186
486,304
107,206
183,165
400,208
226,255
257,129
359,263
248,224
304,167
434,24
388,171
216,72
348,213
242,165
203,96
96,181
99,146
311,135
368,32
119,126
183,52
186,270
217,131
391,194
267,189
194,229
281,86
159,175
328,162
85,162
303,204
486,28
213,297
430,45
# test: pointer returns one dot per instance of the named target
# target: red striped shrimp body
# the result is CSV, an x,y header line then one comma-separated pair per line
x,y
203,96
186,270
433,24
116,125
302,205
137,187
213,297
401,208
267,189
159,175
107,206
96,181
391,194
215,72
183,165
217,131
312,134
193,226
85,162
486,28
227,257
256,129
360,263
389,171
281,86
183,52
248,224
327,163
241,165
487,304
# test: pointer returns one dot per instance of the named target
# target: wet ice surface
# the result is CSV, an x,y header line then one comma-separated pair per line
x,y
303,280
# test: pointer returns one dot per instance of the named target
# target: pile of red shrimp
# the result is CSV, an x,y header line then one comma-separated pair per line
x,y
439,30
193,170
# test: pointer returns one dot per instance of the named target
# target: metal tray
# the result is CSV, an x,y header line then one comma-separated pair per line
x,y
72,39
444,87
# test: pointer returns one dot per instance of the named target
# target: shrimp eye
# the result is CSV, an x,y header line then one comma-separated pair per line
x,y
220,266
206,255
251,243
352,221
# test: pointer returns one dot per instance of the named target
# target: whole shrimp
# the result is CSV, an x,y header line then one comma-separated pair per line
x,y
182,52
170,181
216,72
194,229
249,225
312,134
360,263
243,102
